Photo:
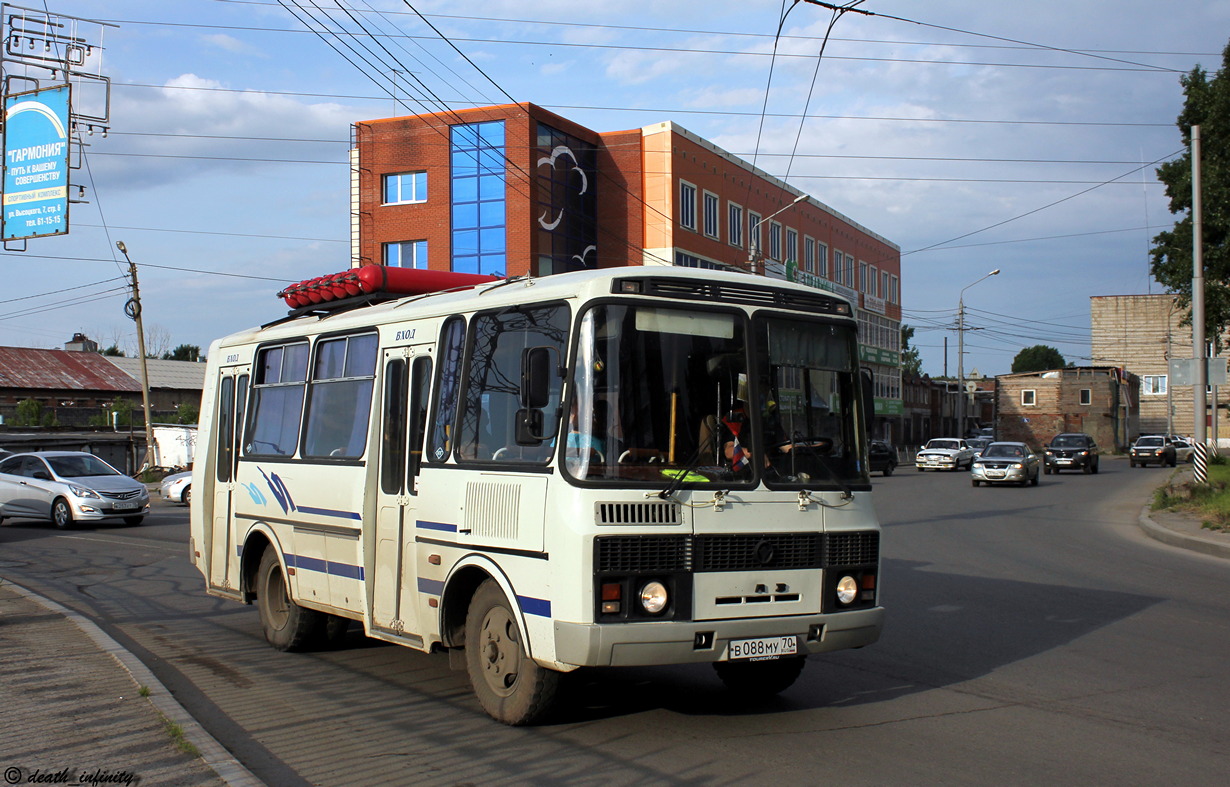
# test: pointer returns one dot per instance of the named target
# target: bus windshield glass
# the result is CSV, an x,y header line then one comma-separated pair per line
x,y
681,396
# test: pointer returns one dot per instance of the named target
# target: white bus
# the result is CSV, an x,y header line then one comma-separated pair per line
x,y
629,466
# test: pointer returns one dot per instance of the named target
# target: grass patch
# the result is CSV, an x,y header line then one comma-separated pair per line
x,y
177,736
1211,501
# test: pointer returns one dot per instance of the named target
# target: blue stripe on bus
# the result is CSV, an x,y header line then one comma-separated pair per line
x,y
535,606
304,563
433,586
330,512
447,528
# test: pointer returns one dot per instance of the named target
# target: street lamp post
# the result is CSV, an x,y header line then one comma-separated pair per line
x,y
961,353
753,256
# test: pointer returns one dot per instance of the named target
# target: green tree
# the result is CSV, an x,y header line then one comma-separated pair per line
x,y
30,413
184,352
911,361
1207,105
187,414
114,351
1038,358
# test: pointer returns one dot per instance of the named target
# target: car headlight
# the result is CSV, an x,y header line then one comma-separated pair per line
x,y
81,491
847,589
1017,465
654,597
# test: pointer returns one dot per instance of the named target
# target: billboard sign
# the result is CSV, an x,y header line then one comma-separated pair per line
x,y
36,148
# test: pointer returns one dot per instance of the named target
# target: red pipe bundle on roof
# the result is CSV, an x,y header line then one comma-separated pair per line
x,y
377,278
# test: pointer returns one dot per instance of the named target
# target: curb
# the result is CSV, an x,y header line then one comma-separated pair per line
x,y
1205,546
213,753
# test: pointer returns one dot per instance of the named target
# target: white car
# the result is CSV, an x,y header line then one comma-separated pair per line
x,y
1184,451
68,487
177,487
945,453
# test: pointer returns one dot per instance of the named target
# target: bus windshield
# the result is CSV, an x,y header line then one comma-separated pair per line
x,y
666,395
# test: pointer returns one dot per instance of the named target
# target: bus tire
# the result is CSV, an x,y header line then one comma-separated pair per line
x,y
332,631
752,679
287,626
511,687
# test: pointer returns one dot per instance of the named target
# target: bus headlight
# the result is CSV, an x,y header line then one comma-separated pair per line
x,y
654,597
847,589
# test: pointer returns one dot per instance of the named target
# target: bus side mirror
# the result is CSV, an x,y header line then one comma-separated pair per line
x,y
529,427
536,369
869,399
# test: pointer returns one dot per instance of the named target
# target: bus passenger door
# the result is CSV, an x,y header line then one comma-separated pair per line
x,y
228,429
393,585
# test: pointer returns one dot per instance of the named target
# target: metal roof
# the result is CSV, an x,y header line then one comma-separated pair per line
x,y
62,370
176,375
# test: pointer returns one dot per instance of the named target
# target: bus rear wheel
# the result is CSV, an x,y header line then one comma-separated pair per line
x,y
511,687
752,679
287,626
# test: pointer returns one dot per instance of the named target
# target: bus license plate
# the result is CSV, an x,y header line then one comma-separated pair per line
x,y
763,648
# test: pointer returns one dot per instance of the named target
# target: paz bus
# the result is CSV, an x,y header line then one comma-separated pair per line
x,y
617,467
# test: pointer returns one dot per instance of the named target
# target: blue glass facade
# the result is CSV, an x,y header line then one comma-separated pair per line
x,y
478,204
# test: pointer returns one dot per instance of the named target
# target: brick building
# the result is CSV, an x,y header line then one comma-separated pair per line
x,y
1033,407
515,190
1141,333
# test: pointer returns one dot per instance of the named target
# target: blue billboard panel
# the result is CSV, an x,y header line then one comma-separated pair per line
x,y
36,163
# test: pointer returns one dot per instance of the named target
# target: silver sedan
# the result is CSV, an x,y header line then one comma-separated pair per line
x,y
68,487
1007,463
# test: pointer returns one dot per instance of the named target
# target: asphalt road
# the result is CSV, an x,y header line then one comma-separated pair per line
x,y
1034,635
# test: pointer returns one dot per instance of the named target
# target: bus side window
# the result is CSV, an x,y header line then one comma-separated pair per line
x,y
226,428
393,431
439,442
420,386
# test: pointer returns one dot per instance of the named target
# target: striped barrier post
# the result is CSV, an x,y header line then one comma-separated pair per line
x,y
1200,464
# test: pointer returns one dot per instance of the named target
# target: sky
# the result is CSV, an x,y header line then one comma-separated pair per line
x,y
1019,137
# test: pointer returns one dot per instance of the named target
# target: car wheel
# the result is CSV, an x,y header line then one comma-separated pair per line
x,y
61,513
133,520
888,470
1088,468
1131,464
1034,481
511,687
973,482
186,497
920,469
1095,465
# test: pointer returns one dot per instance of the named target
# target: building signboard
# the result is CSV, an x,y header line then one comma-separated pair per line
x,y
36,148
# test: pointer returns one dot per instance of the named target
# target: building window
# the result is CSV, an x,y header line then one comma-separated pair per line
x,y
792,246
775,240
478,206
712,229
753,232
894,292
822,260
1086,396
839,266
1153,384
734,224
687,205
862,277
406,254
809,254
567,205
405,187
885,288
1029,397
873,278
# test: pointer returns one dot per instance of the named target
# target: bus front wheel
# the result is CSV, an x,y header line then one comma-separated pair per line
x,y
511,687
287,625
759,678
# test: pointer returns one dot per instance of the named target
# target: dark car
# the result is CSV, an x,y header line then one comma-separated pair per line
x,y
1072,451
1152,449
883,457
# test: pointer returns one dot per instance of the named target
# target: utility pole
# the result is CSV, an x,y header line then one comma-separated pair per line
x,y
133,310
961,354
1201,470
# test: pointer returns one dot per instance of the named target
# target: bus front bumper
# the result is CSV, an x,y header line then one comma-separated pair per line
x,y
641,644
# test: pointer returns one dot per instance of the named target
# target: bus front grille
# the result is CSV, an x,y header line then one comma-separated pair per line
x,y
657,512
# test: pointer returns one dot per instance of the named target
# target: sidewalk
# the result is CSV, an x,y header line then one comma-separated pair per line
x,y
1183,529
74,712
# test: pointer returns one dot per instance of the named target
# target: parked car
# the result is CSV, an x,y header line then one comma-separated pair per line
x,y
1184,451
177,487
1152,449
1072,451
1007,463
945,453
68,487
882,457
